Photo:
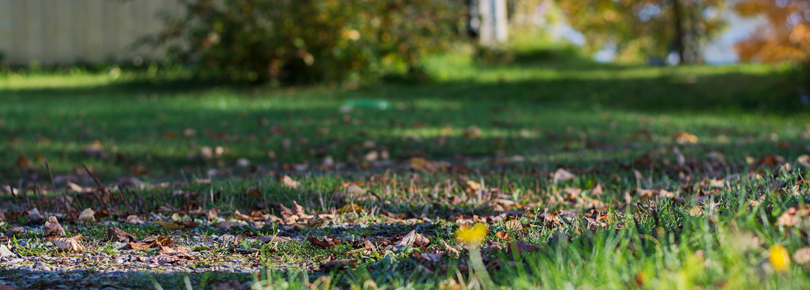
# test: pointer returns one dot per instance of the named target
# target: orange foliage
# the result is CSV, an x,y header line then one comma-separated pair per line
x,y
785,38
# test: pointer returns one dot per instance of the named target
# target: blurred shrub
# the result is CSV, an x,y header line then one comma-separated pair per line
x,y
304,41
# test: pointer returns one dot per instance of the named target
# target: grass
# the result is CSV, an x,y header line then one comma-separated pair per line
x,y
614,127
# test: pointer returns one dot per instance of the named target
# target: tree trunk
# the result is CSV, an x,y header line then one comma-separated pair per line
x,y
680,36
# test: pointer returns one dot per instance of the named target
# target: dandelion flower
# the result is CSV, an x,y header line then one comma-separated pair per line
x,y
780,258
472,236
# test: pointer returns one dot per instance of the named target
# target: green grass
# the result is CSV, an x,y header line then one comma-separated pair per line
x,y
538,110
522,107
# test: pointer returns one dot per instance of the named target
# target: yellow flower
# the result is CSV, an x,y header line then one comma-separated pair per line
x,y
780,258
472,236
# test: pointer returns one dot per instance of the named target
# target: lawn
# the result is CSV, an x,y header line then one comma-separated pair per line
x,y
588,176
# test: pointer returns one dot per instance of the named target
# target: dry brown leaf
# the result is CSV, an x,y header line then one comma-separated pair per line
x,y
179,251
69,244
288,182
793,216
419,163
597,191
177,225
274,239
563,175
164,259
87,215
450,249
315,222
351,208
163,241
116,234
52,228
503,236
297,209
133,219
802,256
324,243
513,225
472,132
140,246
413,238
685,138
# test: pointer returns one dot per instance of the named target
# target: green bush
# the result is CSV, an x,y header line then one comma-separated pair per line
x,y
304,41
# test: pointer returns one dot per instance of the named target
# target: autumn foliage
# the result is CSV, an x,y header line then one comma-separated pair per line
x,y
641,28
786,37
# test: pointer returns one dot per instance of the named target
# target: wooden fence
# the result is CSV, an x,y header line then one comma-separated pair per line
x,y
70,31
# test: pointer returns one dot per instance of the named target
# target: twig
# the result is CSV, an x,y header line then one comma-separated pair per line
x,y
53,184
126,202
104,191
93,176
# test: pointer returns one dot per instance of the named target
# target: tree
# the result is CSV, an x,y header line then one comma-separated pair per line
x,y
784,37
641,28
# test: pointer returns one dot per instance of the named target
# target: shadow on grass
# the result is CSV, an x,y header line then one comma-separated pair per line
x,y
554,111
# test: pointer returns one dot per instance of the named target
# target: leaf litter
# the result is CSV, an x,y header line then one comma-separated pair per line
x,y
569,197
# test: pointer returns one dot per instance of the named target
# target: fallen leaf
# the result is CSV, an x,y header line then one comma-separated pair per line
x,y
163,241
52,228
177,225
116,234
324,243
87,215
140,246
351,208
513,225
164,259
69,244
503,236
288,182
419,163
133,219
685,138
180,251
472,132
563,175
802,256
413,238
315,222
792,216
